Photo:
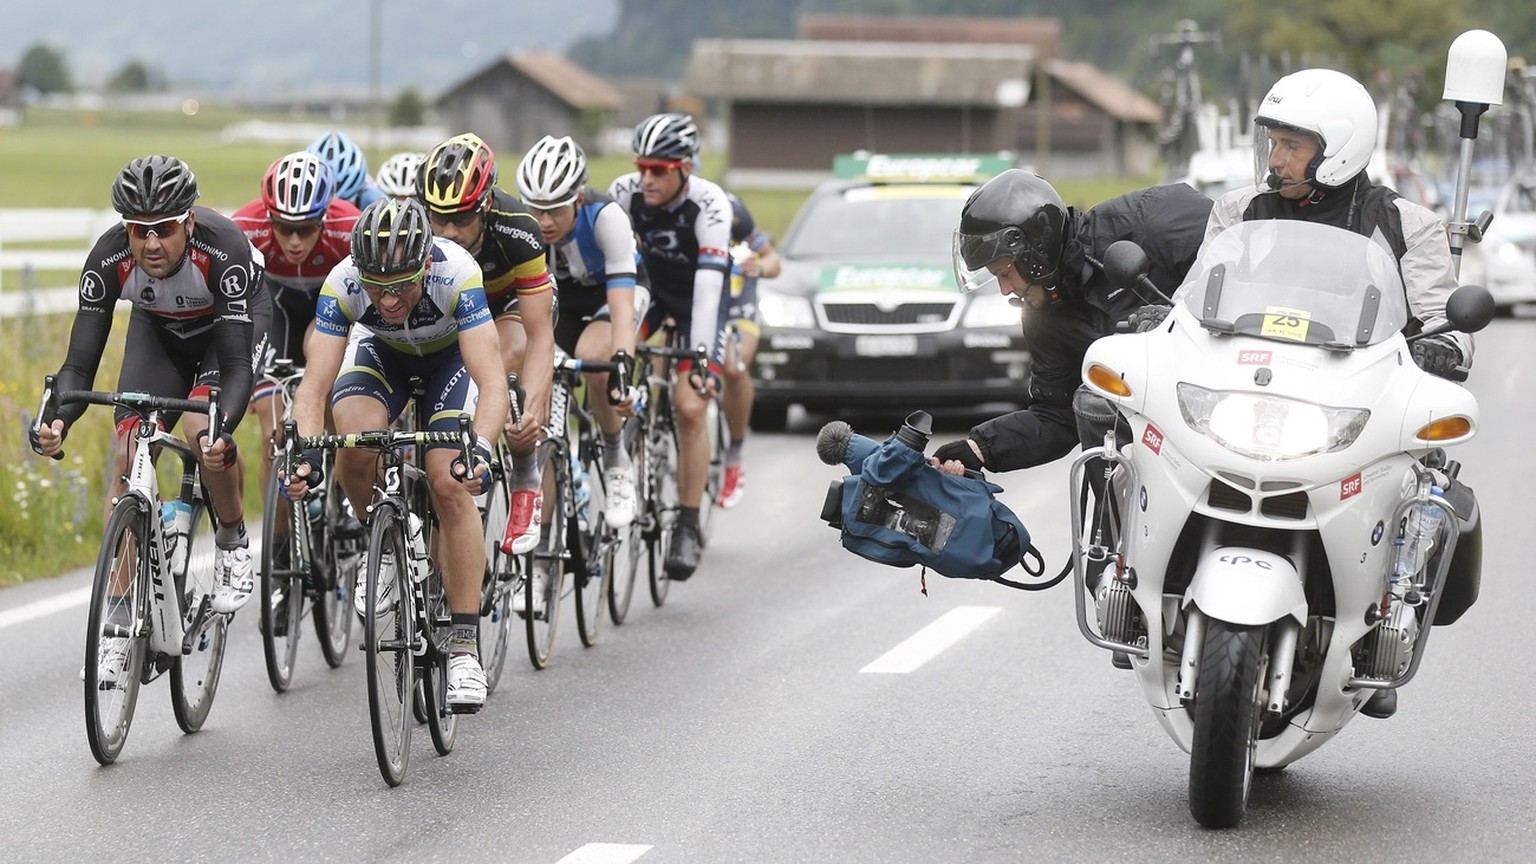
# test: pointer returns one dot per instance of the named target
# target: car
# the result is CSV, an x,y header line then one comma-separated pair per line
x,y
1504,261
866,314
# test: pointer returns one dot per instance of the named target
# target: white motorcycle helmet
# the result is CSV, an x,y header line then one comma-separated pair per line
x,y
1329,105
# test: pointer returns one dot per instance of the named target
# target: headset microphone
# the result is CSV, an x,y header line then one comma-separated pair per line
x,y
1273,181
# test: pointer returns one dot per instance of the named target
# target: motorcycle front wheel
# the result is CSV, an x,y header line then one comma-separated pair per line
x,y
1226,715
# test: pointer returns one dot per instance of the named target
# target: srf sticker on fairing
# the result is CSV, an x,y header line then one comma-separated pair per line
x,y
1249,357
1153,438
1284,323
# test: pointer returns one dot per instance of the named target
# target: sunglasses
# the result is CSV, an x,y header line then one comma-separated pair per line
x,y
658,169
160,228
302,229
457,220
393,286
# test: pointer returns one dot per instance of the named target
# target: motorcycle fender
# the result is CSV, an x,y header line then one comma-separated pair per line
x,y
1250,587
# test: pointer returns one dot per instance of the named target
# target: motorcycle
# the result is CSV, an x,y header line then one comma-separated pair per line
x,y
1267,533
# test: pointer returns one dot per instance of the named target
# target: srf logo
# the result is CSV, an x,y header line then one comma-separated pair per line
x,y
1254,358
1350,486
1153,439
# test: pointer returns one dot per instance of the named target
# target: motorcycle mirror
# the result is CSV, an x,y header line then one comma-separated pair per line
x,y
1125,263
1470,308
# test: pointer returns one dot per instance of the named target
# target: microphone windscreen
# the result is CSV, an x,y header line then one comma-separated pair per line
x,y
1272,180
832,442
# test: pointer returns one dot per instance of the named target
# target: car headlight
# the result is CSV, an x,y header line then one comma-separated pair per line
x,y
990,310
785,310
1512,253
1269,428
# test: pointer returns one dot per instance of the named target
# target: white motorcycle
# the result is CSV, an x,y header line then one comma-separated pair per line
x,y
1280,525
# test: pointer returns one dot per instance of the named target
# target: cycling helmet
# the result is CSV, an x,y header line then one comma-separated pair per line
x,y
349,167
391,237
673,137
154,186
553,173
1015,215
458,175
1330,106
397,176
297,187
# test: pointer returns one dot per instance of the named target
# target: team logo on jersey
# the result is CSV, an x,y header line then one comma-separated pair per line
x,y
233,283
664,240
91,287
148,294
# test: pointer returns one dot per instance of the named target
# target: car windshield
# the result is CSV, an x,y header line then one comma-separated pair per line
x,y
913,223
1297,282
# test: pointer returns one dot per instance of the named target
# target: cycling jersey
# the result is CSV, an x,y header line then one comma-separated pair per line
x,y
293,286
511,256
741,301
452,299
598,256
684,248
208,317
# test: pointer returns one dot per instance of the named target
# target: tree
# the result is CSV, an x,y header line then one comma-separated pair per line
x,y
134,77
43,69
408,109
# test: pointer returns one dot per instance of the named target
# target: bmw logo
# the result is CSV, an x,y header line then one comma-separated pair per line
x,y
1143,499
1376,533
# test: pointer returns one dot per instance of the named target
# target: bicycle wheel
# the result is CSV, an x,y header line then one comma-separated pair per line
x,y
282,587
714,479
661,497
496,613
442,723
591,543
388,643
119,611
630,540
335,571
195,675
543,569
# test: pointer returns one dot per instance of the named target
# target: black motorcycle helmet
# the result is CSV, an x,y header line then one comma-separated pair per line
x,y
1015,215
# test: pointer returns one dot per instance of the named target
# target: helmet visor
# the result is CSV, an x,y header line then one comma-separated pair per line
x,y
974,252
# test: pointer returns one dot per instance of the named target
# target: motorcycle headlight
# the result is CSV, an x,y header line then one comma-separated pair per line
x,y
1269,428
990,310
785,310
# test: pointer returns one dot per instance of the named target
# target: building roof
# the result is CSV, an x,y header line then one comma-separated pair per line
x,y
862,73
563,79
1104,91
1043,34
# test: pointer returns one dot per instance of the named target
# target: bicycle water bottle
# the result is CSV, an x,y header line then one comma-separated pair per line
x,y
417,549
176,521
1419,533
580,481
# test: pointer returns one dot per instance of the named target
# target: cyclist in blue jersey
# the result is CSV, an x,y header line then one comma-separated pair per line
x,y
600,287
423,303
349,169
752,256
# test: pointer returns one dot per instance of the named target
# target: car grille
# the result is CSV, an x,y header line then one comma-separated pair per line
x,y
858,315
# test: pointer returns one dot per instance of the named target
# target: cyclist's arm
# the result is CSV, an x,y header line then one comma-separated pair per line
x,y
232,282
769,265
616,237
324,351
714,232
482,360
100,287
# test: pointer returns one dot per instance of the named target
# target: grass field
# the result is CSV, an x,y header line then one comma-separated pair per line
x,y
50,512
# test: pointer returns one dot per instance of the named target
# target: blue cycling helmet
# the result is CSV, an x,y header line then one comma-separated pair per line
x,y
349,167
297,187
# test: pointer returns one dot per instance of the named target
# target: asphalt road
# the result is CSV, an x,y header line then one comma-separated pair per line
x,y
741,722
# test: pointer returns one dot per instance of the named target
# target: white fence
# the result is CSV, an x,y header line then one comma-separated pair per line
x,y
33,225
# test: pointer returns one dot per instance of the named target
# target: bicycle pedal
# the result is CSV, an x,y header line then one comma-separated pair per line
x,y
464,709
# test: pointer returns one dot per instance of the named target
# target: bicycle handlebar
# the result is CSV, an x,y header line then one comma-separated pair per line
x,y
142,404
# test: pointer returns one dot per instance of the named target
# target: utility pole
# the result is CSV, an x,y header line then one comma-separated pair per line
x,y
375,66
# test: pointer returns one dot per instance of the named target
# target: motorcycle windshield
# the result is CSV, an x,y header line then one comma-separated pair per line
x,y
1296,281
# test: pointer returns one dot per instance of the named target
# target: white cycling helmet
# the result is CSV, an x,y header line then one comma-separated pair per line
x,y
1329,105
552,174
397,176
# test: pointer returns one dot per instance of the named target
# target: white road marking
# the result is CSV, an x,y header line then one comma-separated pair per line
x,y
48,606
927,643
605,853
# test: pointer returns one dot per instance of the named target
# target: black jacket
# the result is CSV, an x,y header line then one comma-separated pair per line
x,y
1168,222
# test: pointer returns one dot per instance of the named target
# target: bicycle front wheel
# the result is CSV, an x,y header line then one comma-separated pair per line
x,y
496,589
591,543
335,572
441,722
630,540
116,638
282,594
195,675
543,569
389,640
714,480
661,505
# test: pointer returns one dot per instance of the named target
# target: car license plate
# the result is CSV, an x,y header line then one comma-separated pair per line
x,y
893,345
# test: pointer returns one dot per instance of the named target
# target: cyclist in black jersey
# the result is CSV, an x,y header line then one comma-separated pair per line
x,y
458,185
684,226
199,320
752,256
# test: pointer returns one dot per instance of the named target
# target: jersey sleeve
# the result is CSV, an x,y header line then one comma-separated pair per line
x,y
332,315
470,308
100,287
616,237
232,281
714,233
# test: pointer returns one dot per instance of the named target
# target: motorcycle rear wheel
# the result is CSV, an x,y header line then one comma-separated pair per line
x,y
1226,715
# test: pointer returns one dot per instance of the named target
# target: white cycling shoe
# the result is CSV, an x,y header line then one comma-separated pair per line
x,y
386,598
111,660
236,579
466,684
619,485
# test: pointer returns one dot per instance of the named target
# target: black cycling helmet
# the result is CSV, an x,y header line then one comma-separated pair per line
x,y
674,137
1015,215
391,237
154,186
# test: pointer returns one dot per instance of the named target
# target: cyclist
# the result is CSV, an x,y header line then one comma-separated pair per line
x,y
349,168
752,256
684,226
596,266
199,320
424,304
457,184
397,176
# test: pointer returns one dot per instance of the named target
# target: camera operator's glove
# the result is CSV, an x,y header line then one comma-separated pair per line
x,y
1437,355
618,382
959,451
1148,317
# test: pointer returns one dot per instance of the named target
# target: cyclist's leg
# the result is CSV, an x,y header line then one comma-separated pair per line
x,y
692,474
364,398
736,402
267,400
